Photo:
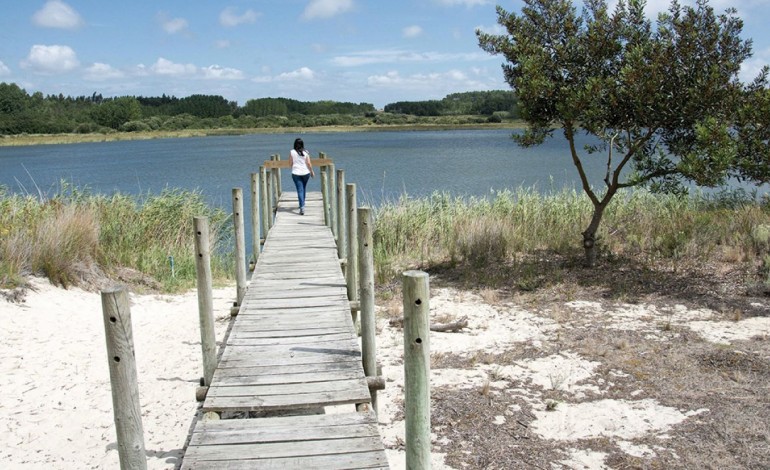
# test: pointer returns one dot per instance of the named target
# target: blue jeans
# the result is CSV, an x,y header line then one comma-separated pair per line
x,y
300,181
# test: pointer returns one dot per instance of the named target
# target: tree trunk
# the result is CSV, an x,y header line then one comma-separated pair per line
x,y
589,235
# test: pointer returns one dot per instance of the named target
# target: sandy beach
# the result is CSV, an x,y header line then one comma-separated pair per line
x,y
57,408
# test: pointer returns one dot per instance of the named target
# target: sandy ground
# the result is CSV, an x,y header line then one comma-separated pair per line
x,y
57,408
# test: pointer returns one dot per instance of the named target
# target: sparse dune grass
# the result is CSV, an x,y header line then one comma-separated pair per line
x,y
74,236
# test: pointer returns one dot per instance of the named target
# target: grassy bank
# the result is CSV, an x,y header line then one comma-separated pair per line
x,y
519,236
535,236
76,237
56,139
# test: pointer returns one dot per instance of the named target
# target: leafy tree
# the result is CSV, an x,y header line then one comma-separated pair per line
x,y
116,112
653,96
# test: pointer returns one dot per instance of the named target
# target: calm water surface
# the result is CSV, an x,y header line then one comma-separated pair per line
x,y
384,165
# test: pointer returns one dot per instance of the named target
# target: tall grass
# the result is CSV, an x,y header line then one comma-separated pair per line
x,y
74,236
508,225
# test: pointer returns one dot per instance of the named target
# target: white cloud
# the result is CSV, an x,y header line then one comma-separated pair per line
x,y
222,44
433,84
495,29
229,17
57,14
175,25
301,74
222,73
51,59
412,31
751,68
4,70
467,3
99,72
326,8
166,67
397,56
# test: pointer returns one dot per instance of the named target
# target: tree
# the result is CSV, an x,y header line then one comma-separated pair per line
x,y
653,96
116,112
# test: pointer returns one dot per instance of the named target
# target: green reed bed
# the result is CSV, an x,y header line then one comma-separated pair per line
x,y
75,236
508,225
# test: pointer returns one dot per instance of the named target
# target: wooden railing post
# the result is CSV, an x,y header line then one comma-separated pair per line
x,y
267,220
255,236
342,236
325,194
274,183
352,273
240,245
125,390
205,297
332,200
366,270
278,175
417,368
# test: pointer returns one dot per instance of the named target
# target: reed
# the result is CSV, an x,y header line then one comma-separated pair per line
x,y
75,236
510,225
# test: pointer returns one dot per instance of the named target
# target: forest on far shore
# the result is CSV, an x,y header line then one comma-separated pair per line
x,y
22,113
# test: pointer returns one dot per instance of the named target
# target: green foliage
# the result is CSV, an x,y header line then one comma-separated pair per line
x,y
661,100
75,235
511,226
479,102
116,112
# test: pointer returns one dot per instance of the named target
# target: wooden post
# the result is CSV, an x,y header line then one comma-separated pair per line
x,y
205,297
352,273
240,245
255,236
270,198
274,182
278,175
125,390
332,200
366,270
325,193
267,220
417,368
342,236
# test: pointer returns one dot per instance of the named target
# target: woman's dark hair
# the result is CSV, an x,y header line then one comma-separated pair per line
x,y
299,146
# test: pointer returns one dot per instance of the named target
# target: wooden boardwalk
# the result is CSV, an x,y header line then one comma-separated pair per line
x,y
292,348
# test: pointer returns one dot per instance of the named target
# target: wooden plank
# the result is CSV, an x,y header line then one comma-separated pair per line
x,y
257,434
265,379
286,402
286,422
358,460
266,390
256,451
241,370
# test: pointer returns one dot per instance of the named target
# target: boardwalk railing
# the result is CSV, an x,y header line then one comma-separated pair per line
x,y
292,353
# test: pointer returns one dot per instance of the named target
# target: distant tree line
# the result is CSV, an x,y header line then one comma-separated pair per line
x,y
485,103
22,113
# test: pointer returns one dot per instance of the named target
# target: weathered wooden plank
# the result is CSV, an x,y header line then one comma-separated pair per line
x,y
267,390
257,434
296,423
233,369
291,341
358,460
269,450
265,379
286,402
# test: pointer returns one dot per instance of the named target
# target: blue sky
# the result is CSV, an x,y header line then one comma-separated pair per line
x,y
368,51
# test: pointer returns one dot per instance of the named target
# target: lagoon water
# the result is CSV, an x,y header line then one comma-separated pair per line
x,y
384,165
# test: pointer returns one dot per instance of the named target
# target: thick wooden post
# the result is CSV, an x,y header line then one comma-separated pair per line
x,y
125,390
278,175
352,273
366,270
342,236
205,297
325,194
417,368
240,245
330,172
255,236
267,220
275,184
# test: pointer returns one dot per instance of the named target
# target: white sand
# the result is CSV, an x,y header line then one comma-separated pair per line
x,y
57,407
56,399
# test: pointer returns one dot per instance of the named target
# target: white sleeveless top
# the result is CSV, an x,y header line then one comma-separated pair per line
x,y
299,166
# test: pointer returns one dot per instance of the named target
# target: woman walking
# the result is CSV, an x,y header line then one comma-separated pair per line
x,y
301,170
